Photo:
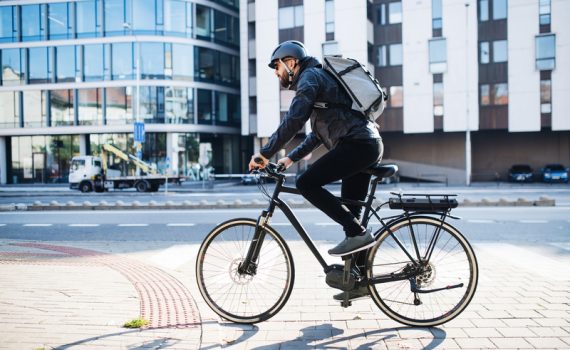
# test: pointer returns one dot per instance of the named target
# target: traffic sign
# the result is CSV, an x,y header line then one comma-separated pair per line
x,y
139,132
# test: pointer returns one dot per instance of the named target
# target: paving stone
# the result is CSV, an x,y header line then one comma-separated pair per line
x,y
547,342
511,343
475,343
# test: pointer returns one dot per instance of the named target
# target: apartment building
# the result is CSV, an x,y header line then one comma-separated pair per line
x,y
475,85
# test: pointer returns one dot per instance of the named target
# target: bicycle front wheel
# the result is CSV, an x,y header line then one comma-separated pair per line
x,y
444,284
241,297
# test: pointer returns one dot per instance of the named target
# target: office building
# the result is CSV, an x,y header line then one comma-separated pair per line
x,y
77,74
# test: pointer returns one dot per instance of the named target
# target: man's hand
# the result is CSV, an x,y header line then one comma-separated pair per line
x,y
286,161
255,165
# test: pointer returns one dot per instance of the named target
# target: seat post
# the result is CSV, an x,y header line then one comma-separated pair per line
x,y
374,182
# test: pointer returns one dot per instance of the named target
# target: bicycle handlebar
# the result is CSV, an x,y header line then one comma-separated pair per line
x,y
271,169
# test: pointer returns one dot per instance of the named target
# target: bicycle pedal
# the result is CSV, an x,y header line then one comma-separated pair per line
x,y
346,303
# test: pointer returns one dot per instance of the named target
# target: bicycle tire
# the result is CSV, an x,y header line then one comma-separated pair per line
x,y
452,262
252,297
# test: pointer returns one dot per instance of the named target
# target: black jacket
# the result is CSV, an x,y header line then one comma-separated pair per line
x,y
329,125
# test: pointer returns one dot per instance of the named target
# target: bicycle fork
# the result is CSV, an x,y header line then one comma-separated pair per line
x,y
248,265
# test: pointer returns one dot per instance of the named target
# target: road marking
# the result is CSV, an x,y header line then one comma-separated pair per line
x,y
2,224
481,221
180,224
37,225
132,225
533,221
83,225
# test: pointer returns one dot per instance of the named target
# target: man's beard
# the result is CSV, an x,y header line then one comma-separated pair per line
x,y
284,80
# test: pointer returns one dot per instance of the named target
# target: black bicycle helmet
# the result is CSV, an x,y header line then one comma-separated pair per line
x,y
290,48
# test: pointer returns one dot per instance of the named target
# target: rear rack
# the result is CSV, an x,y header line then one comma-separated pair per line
x,y
423,202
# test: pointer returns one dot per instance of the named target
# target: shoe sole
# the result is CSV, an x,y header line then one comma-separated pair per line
x,y
355,250
357,298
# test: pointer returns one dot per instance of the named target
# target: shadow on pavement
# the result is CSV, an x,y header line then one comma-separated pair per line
x,y
325,331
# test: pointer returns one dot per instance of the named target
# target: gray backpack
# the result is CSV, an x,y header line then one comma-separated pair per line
x,y
367,96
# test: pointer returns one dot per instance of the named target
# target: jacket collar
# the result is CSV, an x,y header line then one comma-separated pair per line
x,y
307,62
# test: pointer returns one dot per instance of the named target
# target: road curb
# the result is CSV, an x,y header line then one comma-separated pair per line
x,y
543,201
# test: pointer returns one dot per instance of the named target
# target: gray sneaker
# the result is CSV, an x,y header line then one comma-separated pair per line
x,y
353,244
353,294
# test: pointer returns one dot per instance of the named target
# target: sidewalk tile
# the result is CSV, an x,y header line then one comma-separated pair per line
x,y
482,332
546,342
511,343
475,343
549,331
515,332
448,343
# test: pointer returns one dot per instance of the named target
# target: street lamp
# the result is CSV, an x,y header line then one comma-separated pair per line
x,y
138,76
467,125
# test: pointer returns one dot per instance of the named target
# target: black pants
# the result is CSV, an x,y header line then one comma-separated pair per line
x,y
345,162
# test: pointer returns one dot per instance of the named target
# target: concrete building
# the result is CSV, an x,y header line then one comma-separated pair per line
x,y
79,73
475,85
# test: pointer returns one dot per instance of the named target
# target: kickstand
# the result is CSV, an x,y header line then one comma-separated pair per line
x,y
345,280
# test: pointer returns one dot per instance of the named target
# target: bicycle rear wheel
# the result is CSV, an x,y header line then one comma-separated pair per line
x,y
452,263
241,297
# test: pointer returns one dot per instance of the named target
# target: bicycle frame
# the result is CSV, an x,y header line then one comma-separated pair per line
x,y
259,235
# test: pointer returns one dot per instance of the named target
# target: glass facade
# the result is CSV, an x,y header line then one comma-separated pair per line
x,y
169,70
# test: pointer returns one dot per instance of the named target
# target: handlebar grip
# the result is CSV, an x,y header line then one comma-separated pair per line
x,y
258,160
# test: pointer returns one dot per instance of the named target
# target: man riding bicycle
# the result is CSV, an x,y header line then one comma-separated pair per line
x,y
353,142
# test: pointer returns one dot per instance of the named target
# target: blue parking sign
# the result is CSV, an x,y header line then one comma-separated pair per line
x,y
139,132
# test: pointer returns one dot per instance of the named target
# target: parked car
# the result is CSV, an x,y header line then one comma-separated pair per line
x,y
251,179
520,173
554,173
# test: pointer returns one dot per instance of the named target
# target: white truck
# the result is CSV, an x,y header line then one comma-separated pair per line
x,y
91,173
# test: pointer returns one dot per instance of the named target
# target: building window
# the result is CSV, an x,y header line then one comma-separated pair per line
x,y
33,23
329,19
58,20
204,106
34,109
93,62
122,61
396,96
483,10
437,55
494,94
499,9
89,108
175,17
65,63
152,104
545,96
291,17
203,22
485,94
87,18
145,15
395,12
484,52
227,109
13,69
382,58
545,52
226,28
8,23
61,106
114,17
438,99
500,53
396,56
39,60
436,14
500,94
152,60
179,105
182,61
119,105
544,12
381,14
9,109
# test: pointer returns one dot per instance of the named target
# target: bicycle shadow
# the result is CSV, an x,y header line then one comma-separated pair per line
x,y
312,335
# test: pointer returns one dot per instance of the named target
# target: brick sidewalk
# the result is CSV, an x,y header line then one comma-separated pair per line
x,y
77,295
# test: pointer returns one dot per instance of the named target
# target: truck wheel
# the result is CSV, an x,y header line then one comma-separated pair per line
x,y
142,186
85,187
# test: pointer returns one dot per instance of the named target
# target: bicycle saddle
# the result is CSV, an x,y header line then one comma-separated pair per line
x,y
382,170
